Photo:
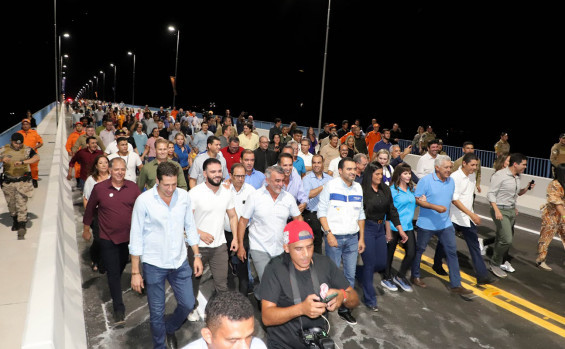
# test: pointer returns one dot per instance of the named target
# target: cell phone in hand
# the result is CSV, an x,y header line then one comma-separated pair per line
x,y
530,185
329,298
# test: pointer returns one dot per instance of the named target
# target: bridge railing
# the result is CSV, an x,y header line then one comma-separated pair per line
x,y
536,166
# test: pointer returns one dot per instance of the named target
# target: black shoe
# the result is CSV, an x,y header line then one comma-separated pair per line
x,y
172,341
461,291
119,318
486,280
34,181
22,230
14,223
439,270
348,317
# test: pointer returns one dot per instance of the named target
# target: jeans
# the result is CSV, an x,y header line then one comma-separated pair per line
x,y
374,259
471,238
346,250
447,238
114,258
181,283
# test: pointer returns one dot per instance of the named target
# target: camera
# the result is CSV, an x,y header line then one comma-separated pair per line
x,y
316,337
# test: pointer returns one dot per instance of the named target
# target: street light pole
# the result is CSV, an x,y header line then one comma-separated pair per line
x,y
133,82
324,69
56,62
115,72
103,85
171,28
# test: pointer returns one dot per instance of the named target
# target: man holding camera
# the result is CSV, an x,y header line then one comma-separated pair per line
x,y
298,288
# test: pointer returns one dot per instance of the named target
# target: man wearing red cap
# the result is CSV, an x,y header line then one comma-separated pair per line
x,y
33,140
294,286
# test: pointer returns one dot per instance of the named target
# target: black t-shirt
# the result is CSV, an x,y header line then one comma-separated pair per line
x,y
275,287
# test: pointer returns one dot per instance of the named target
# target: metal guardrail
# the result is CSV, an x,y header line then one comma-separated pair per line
x,y
536,166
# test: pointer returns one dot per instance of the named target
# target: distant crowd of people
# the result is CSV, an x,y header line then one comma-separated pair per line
x,y
295,219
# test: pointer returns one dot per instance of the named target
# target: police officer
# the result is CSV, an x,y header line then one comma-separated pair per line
x,y
17,185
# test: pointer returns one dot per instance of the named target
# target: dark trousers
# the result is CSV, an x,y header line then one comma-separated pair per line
x,y
471,238
240,267
409,253
374,259
311,217
216,258
95,247
115,257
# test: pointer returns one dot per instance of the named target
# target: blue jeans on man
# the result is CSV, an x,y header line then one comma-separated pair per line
x,y
346,251
447,238
471,238
181,282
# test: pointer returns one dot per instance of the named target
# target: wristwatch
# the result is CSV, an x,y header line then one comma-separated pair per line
x,y
198,255
326,232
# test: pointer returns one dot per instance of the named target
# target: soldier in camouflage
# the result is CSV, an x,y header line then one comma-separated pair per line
x,y
16,180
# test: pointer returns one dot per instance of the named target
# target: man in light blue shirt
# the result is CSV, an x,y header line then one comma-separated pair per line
x,y
293,181
313,184
160,217
253,177
200,139
434,219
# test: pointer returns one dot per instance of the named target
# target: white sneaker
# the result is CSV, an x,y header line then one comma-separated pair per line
x,y
193,316
507,267
482,247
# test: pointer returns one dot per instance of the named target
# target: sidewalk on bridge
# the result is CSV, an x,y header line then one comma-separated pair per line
x,y
17,257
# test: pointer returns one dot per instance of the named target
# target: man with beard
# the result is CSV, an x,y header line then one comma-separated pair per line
x,y
426,164
81,140
210,203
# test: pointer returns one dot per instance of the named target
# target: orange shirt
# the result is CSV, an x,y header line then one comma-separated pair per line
x,y
342,139
72,139
371,139
31,138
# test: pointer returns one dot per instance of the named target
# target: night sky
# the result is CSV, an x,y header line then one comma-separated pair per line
x,y
471,70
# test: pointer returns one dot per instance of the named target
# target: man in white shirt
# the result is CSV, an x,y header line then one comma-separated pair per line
x,y
268,208
230,323
426,163
113,146
463,217
107,134
305,154
210,202
212,151
240,191
333,167
131,158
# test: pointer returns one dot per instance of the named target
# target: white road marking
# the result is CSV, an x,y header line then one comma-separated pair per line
x,y
520,227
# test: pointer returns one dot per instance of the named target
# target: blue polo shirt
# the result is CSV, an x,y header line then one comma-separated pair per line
x,y
310,181
299,166
381,145
256,179
405,203
437,193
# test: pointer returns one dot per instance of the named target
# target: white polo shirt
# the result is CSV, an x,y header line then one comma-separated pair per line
x,y
209,211
334,167
425,165
113,147
132,161
306,157
464,190
268,219
239,199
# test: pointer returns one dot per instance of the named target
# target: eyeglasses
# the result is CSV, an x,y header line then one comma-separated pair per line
x,y
239,176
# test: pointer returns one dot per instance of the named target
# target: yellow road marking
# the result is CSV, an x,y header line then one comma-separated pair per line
x,y
501,298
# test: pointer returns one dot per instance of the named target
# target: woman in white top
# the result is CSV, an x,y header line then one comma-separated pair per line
x,y
98,174
383,158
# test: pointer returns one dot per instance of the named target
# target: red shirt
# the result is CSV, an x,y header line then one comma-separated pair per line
x,y
114,209
86,159
231,158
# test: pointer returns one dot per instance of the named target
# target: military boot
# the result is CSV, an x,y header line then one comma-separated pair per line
x,y
14,223
22,230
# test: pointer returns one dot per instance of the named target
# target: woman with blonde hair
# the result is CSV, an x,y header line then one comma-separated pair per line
x,y
350,142
383,158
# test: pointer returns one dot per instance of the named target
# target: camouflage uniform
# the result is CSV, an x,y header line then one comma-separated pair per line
x,y
17,185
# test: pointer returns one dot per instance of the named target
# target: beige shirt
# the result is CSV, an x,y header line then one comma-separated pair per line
x,y
329,153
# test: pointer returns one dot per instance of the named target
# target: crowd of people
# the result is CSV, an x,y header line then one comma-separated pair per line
x,y
295,219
